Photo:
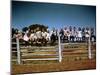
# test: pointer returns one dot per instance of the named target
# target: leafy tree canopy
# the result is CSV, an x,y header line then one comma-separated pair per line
x,y
35,26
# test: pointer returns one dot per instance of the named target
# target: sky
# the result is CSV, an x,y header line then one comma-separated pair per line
x,y
52,15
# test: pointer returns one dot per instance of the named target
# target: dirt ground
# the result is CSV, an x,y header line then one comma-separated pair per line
x,y
54,67
70,62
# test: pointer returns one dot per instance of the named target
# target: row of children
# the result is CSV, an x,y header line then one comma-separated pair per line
x,y
67,34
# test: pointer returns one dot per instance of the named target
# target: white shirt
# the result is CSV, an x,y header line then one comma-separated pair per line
x,y
25,37
79,33
32,36
38,34
65,32
44,34
87,33
48,36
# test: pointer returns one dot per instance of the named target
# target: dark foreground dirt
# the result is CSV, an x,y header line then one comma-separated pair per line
x,y
54,67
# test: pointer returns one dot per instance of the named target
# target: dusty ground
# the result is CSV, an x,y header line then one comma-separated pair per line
x,y
63,66
72,60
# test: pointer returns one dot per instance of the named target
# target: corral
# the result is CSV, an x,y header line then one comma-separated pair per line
x,y
74,56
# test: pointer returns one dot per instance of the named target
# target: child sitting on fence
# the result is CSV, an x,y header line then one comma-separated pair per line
x,y
33,37
44,35
26,38
48,36
53,37
39,36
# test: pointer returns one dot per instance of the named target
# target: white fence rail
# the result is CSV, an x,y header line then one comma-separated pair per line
x,y
19,52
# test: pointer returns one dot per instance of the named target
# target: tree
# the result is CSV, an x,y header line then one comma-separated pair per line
x,y
25,29
14,31
35,26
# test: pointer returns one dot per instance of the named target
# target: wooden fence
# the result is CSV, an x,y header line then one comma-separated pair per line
x,y
44,53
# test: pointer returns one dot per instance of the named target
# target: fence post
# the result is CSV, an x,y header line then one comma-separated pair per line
x,y
18,52
59,44
89,46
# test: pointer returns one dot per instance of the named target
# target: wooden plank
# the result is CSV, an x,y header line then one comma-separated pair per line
x,y
74,44
13,51
13,43
39,51
51,47
14,47
38,54
40,59
74,49
14,60
32,57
